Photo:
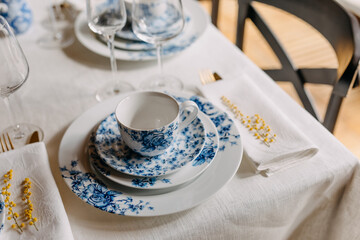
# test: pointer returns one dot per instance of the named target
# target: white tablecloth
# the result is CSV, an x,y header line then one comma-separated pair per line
x,y
317,199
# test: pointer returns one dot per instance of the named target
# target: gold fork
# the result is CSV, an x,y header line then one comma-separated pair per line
x,y
206,76
6,143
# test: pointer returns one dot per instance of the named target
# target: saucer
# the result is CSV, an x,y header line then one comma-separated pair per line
x,y
188,172
113,151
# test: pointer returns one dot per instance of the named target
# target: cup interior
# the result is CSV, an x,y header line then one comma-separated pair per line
x,y
147,110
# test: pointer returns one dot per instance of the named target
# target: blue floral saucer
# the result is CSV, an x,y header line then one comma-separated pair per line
x,y
113,151
2,213
187,173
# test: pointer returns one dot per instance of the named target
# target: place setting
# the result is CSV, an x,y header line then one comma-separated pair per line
x,y
105,158
188,156
114,158
130,41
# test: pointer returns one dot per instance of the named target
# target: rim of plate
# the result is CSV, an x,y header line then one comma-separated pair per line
x,y
88,39
131,203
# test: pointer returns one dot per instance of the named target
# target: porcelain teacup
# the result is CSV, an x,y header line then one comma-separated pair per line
x,y
150,121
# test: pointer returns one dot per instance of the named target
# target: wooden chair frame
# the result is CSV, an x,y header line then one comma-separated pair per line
x,y
344,38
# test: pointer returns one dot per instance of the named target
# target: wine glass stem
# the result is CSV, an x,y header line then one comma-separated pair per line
x,y
52,16
159,60
110,44
18,133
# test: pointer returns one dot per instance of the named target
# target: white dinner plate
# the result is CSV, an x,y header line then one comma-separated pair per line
x,y
186,174
199,21
77,174
114,152
2,213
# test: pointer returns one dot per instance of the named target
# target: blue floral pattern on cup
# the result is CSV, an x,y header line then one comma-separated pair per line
x,y
18,14
155,140
186,174
114,152
86,185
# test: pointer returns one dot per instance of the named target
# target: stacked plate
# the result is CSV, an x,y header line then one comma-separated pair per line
x,y
111,177
190,154
129,47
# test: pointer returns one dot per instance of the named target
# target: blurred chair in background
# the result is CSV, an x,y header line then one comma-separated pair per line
x,y
337,26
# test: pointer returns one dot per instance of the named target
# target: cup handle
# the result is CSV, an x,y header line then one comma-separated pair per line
x,y
193,113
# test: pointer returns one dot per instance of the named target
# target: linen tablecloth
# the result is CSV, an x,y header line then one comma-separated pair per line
x,y
317,199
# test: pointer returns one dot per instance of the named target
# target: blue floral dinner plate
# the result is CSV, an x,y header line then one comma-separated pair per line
x,y
194,28
114,152
187,173
77,173
2,213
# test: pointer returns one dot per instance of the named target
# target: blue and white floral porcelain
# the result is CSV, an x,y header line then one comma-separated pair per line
x,y
17,13
76,171
110,147
196,22
186,174
2,213
150,121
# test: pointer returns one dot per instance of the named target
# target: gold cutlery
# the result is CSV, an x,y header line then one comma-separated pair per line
x,y
206,76
6,143
34,137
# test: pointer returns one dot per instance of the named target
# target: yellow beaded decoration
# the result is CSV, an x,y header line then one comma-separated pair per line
x,y
30,207
253,124
10,205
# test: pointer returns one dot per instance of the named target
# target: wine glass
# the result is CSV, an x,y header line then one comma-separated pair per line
x,y
106,17
14,71
58,24
157,21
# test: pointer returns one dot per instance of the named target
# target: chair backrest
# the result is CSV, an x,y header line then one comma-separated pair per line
x,y
340,28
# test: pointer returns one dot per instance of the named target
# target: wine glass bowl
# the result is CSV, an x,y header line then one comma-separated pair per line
x,y
59,26
14,71
106,17
157,21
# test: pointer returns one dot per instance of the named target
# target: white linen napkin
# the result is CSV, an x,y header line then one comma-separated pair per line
x,y
31,161
290,147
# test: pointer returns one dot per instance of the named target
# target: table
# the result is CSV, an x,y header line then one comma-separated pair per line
x,y
287,205
351,5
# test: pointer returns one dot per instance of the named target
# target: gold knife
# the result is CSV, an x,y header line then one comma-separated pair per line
x,y
34,137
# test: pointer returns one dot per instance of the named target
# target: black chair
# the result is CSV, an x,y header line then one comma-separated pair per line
x,y
340,28
214,11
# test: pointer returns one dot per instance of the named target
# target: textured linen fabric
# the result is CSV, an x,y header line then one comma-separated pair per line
x,y
291,145
306,201
31,161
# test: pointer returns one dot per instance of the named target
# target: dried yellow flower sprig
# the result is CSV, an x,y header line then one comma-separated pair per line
x,y
10,204
254,123
26,198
